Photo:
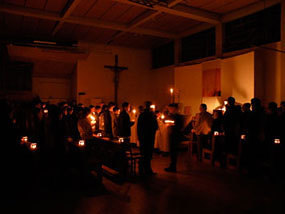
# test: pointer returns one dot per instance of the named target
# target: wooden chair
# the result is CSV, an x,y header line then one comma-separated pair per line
x,y
207,154
134,158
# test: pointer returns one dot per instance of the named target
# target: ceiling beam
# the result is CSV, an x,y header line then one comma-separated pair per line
x,y
67,11
82,21
182,11
250,9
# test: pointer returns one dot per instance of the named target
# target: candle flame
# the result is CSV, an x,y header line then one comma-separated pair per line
x,y
169,121
33,146
134,111
171,90
243,137
81,143
216,133
277,141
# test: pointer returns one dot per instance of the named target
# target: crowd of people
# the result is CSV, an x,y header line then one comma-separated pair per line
x,y
251,132
261,130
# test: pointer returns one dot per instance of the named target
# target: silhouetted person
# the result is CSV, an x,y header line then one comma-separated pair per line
x,y
232,126
202,129
108,120
124,121
147,126
256,136
219,147
175,135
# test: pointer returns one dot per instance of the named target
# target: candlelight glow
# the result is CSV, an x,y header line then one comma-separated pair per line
x,y
169,121
225,102
121,140
243,137
134,111
33,146
81,143
24,139
99,135
45,111
216,133
277,141
162,117
171,90
152,107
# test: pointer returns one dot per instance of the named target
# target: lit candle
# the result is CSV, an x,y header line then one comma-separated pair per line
x,y
99,135
243,137
162,117
277,141
134,111
81,143
121,140
33,146
216,133
170,122
45,111
171,93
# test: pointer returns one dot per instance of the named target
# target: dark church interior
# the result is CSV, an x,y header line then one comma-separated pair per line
x,y
142,106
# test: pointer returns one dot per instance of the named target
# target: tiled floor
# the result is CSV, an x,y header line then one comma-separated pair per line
x,y
195,188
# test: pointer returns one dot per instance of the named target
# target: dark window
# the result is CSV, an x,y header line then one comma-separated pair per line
x,y
163,55
256,29
199,45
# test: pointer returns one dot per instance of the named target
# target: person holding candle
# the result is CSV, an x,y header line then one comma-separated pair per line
x,y
202,128
124,121
175,135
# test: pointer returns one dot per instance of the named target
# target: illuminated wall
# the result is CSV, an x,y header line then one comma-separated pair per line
x,y
237,75
136,84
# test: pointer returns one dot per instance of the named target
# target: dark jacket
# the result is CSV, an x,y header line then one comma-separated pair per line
x,y
147,126
124,124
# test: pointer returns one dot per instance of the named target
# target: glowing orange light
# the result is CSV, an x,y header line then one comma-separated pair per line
x,y
243,137
152,106
99,135
216,133
45,111
171,90
226,102
162,117
277,141
81,143
33,146
134,111
121,140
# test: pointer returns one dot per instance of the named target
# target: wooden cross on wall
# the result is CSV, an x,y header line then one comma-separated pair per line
x,y
116,69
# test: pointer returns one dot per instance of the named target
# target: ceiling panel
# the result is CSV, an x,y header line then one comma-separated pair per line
x,y
14,2
36,4
219,6
55,5
83,7
170,23
100,8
